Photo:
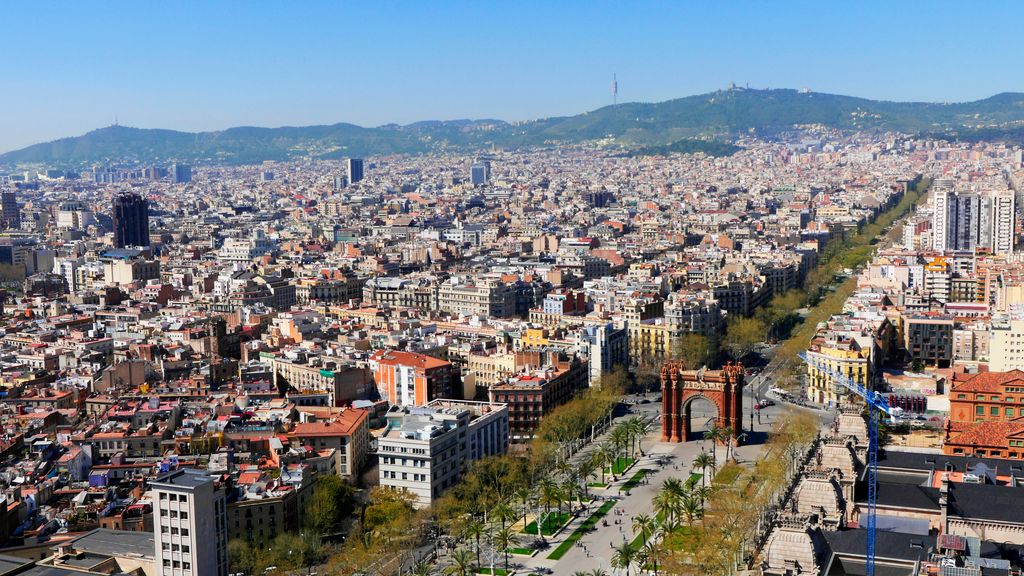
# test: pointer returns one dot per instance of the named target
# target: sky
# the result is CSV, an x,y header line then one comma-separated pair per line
x,y
73,66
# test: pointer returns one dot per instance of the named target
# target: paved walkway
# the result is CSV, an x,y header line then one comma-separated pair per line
x,y
597,550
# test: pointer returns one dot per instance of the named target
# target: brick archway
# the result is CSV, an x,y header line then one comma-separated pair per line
x,y
679,387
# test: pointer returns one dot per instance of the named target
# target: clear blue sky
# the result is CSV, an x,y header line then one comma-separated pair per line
x,y
72,66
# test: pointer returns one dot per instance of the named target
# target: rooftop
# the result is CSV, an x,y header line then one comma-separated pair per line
x,y
184,478
103,541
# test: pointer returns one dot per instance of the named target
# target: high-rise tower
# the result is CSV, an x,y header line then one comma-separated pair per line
x,y
131,220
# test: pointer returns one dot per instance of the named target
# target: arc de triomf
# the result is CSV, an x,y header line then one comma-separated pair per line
x,y
679,387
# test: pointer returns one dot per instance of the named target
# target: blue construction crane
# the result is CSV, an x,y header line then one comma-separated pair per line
x,y
876,405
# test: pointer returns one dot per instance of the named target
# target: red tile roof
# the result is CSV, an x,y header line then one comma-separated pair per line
x,y
991,382
985,434
344,425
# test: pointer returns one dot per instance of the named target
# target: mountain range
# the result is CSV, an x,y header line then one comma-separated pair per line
x,y
706,122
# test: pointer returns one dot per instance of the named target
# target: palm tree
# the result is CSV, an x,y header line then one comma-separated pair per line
x,y
690,506
665,507
503,540
598,572
638,428
714,434
524,495
704,461
652,551
641,559
462,563
475,530
674,486
726,437
548,494
602,456
503,513
619,438
644,524
571,489
584,470
702,494
624,556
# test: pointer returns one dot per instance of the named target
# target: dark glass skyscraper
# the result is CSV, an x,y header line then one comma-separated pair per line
x,y
181,173
131,220
355,170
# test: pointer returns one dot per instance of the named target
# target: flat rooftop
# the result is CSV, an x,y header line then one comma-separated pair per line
x,y
183,478
116,543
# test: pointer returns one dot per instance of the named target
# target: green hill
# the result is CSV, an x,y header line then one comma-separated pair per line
x,y
707,122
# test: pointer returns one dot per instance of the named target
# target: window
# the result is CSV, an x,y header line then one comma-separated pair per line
x,y
994,411
980,410
184,515
1009,412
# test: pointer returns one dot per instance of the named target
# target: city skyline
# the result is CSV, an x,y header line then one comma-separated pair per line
x,y
402,63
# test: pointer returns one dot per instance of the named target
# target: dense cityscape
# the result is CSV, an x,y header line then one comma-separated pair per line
x,y
461,289
534,360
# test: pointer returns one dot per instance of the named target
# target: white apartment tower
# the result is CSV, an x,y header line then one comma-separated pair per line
x,y
967,220
1003,212
941,191
191,525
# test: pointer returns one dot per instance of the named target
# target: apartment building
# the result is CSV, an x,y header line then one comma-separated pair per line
x,y
192,535
488,297
928,338
533,394
426,450
348,434
412,379
1006,345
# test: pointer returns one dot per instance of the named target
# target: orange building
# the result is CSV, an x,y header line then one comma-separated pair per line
x,y
411,379
989,396
986,415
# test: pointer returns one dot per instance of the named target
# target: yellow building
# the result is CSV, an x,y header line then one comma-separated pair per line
x,y
841,354
534,338
649,340
489,369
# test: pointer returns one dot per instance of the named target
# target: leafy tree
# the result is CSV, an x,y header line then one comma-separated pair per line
x,y
695,349
241,556
744,335
331,503
388,516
